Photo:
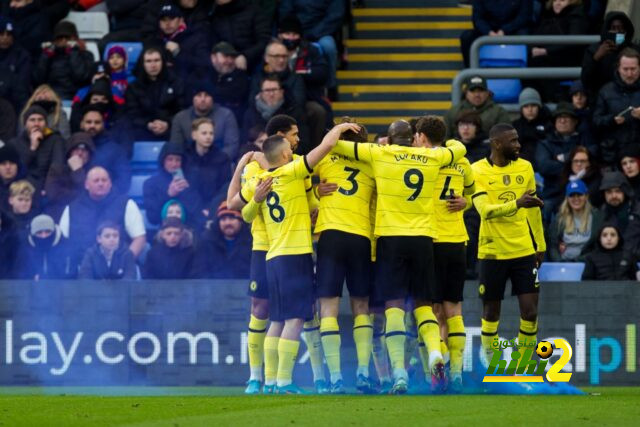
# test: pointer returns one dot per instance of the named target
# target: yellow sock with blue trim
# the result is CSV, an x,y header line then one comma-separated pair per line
x,y
395,338
287,355
311,336
255,346
424,356
489,332
330,335
429,330
270,360
363,339
457,339
528,332
380,354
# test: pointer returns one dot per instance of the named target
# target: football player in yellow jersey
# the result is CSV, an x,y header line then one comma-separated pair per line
x,y
261,343
510,214
405,176
289,263
455,181
344,252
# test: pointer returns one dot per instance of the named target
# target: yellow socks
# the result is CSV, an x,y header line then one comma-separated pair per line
x,y
363,337
429,330
255,346
271,360
311,336
457,339
424,357
489,331
528,332
396,337
380,355
287,354
330,335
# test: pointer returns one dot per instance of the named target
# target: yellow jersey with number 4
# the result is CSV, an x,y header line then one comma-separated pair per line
x,y
285,210
456,179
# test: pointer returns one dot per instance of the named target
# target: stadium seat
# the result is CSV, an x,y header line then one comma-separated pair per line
x,y
561,271
503,55
93,48
145,155
505,90
133,49
135,191
90,25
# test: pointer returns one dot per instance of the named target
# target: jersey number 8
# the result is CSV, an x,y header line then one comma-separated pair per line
x,y
276,211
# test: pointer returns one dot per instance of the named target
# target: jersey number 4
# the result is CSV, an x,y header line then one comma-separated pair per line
x,y
276,211
414,180
353,172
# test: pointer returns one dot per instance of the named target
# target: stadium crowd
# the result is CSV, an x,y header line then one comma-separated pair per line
x,y
210,77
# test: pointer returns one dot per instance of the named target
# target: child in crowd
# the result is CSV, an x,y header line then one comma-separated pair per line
x,y
21,201
172,253
108,260
117,68
609,261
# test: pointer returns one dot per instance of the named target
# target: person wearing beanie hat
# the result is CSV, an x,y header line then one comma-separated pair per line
x,y
15,64
532,124
172,253
620,207
203,105
611,259
572,232
65,64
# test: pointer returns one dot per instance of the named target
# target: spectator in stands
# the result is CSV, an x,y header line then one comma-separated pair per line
x,y
154,98
226,137
109,152
11,170
532,125
321,21
469,132
65,64
117,68
174,209
255,138
225,249
580,102
243,25
39,146
43,253
21,200
619,206
573,230
209,167
582,165
477,97
553,153
172,253
600,60
108,259
610,261
8,120
31,24
15,67
171,182
8,244
617,111
492,18
46,98
195,14
272,101
126,21
307,61
630,167
100,95
96,204
186,46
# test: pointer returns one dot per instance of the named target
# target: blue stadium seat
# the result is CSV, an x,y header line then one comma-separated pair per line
x,y
503,55
133,49
145,155
561,271
505,91
135,191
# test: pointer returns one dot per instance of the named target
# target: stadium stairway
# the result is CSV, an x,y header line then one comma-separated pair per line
x,y
401,61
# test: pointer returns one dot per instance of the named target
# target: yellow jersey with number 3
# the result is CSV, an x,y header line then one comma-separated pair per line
x,y
258,229
405,178
285,210
453,179
505,230
347,208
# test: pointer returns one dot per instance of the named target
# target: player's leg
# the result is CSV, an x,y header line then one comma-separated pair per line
x,y
363,339
525,284
493,280
452,307
271,342
330,334
438,310
313,341
380,354
288,347
259,293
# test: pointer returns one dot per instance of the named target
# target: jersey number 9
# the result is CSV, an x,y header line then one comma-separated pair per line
x,y
414,180
276,211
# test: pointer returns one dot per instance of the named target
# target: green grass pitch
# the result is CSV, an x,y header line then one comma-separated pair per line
x,y
221,407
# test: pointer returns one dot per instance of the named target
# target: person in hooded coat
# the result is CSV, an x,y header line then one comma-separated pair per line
x,y
610,261
172,253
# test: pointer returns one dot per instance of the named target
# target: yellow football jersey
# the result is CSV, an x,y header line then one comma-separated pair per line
x,y
505,230
453,179
285,210
346,209
405,178
258,230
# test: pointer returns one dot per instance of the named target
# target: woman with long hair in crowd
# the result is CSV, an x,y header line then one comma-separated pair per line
x,y
47,98
582,165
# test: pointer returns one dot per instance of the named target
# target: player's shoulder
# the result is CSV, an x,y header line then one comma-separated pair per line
x,y
521,165
481,165
463,161
252,168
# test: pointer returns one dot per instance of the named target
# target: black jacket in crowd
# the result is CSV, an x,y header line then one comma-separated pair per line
x,y
610,264
312,66
94,265
230,90
210,173
38,162
318,17
509,16
8,245
570,21
31,24
64,69
8,120
45,258
530,133
15,68
215,259
126,14
167,263
477,148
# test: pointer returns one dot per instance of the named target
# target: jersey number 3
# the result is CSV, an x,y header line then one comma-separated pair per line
x,y
276,211
352,180
414,180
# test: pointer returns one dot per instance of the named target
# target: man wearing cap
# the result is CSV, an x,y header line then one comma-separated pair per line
x,y
64,64
203,105
186,45
15,64
477,97
39,147
553,152
225,249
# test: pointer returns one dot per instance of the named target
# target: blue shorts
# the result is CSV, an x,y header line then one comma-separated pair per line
x,y
291,293
258,285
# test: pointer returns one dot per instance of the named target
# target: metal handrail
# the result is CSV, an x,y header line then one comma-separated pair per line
x,y
517,73
474,60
